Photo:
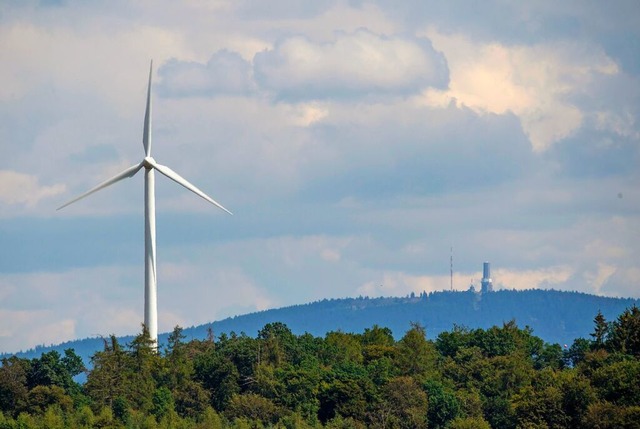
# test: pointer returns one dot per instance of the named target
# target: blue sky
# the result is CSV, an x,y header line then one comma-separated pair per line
x,y
355,142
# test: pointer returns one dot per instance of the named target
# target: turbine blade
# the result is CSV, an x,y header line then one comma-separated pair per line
x,y
146,134
182,181
129,172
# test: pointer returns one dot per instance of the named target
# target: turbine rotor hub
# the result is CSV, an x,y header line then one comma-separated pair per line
x,y
148,162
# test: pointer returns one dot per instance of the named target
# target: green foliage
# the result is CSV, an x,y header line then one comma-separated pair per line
x,y
163,403
624,334
604,415
416,357
600,331
219,376
253,407
120,409
501,377
403,404
469,423
576,353
619,382
443,404
14,390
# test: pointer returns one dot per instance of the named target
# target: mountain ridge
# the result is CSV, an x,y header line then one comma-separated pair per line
x,y
555,316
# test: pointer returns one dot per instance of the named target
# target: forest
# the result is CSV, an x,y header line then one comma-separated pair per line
x,y
499,377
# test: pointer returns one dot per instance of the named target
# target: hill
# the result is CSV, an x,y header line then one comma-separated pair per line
x,y
555,316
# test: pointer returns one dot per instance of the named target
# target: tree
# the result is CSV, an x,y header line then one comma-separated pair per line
x,y
120,409
163,403
449,342
192,400
13,385
277,345
551,356
107,380
403,405
42,397
577,395
443,404
469,423
601,330
576,352
346,391
624,335
142,371
540,407
618,382
53,370
416,357
604,415
219,376
343,347
377,336
253,407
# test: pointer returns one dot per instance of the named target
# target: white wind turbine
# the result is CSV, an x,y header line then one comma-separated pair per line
x,y
150,165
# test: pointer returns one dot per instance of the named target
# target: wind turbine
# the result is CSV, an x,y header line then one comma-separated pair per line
x,y
150,166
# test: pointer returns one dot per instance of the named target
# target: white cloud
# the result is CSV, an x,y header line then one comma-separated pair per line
x,y
24,189
195,293
24,329
545,278
401,284
106,61
358,63
352,176
52,307
534,82
225,73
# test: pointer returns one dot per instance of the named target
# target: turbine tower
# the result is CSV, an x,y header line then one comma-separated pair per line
x,y
150,166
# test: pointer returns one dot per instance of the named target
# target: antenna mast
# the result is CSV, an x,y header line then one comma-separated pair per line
x,y
451,267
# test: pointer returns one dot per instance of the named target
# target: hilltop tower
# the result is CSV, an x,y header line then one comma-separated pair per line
x,y
486,283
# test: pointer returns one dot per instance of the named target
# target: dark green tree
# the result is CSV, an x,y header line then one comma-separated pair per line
x,y
600,331
403,405
219,376
443,404
416,357
107,380
13,385
624,335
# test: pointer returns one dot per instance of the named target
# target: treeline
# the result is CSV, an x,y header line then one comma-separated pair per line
x,y
501,377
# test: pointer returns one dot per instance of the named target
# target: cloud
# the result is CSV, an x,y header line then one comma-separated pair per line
x,y
591,152
354,141
198,292
535,82
382,152
76,59
401,284
622,282
27,329
553,277
225,73
50,307
24,189
355,64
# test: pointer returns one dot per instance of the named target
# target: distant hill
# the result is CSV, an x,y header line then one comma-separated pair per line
x,y
555,316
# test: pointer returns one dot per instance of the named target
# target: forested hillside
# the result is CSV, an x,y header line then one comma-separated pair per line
x,y
554,316
499,377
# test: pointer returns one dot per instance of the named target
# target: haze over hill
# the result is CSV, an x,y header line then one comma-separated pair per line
x,y
555,316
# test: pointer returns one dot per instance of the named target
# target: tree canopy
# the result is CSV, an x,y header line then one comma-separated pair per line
x,y
501,377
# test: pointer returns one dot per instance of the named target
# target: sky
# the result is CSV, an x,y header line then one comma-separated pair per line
x,y
356,143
